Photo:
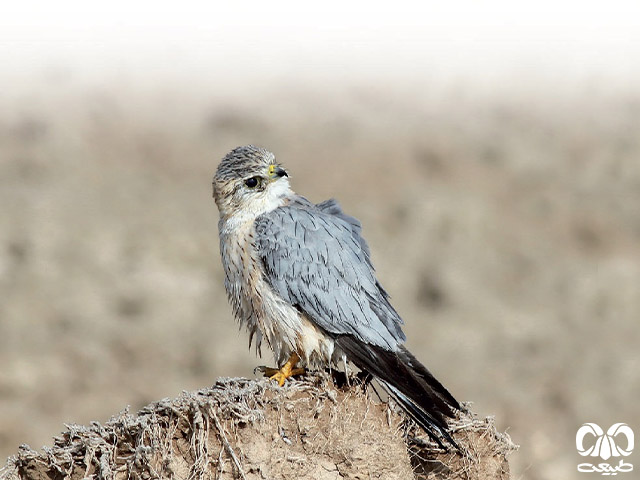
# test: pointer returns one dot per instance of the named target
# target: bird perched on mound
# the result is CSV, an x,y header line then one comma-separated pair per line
x,y
300,276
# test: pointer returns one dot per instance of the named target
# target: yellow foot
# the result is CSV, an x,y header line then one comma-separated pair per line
x,y
287,370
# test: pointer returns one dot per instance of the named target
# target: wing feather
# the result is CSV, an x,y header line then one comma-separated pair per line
x,y
315,258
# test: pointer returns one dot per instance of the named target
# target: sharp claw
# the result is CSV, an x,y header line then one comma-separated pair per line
x,y
266,371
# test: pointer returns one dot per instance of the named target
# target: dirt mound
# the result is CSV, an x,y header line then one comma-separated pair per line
x,y
248,429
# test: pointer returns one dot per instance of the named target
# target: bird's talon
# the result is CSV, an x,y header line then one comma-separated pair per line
x,y
288,370
266,371
279,377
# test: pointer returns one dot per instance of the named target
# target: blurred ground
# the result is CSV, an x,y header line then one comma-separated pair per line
x,y
504,224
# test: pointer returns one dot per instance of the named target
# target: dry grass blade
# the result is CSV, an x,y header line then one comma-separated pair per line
x,y
249,430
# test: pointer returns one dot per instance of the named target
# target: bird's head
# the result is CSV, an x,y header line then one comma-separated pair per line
x,y
249,180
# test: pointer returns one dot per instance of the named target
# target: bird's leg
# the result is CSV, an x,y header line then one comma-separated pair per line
x,y
287,370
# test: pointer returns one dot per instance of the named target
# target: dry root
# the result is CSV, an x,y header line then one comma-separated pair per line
x,y
252,429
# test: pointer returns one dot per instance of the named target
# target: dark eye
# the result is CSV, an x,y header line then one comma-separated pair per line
x,y
252,182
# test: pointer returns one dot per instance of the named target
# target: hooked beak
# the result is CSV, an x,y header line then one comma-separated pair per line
x,y
276,172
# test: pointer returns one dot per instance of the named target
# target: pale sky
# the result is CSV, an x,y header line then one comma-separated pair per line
x,y
459,36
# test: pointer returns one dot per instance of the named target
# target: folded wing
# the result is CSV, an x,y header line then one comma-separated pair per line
x,y
315,258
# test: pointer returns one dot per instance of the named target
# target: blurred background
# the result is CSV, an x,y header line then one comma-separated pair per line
x,y
491,151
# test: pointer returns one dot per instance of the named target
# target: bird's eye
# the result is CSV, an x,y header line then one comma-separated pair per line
x,y
252,182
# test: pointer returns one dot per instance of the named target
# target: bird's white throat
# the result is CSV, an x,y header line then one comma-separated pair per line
x,y
274,196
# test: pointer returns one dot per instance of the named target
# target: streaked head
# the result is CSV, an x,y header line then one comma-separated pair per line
x,y
249,179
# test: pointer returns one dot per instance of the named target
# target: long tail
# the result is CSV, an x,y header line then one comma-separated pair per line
x,y
419,394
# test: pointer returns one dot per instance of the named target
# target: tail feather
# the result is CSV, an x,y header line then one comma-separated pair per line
x,y
415,389
420,370
427,422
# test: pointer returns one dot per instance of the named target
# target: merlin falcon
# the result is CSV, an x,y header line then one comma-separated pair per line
x,y
299,276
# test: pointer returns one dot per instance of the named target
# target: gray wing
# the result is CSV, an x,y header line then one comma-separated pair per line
x,y
316,259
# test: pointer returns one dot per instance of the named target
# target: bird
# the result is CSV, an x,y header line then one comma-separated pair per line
x,y
299,276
